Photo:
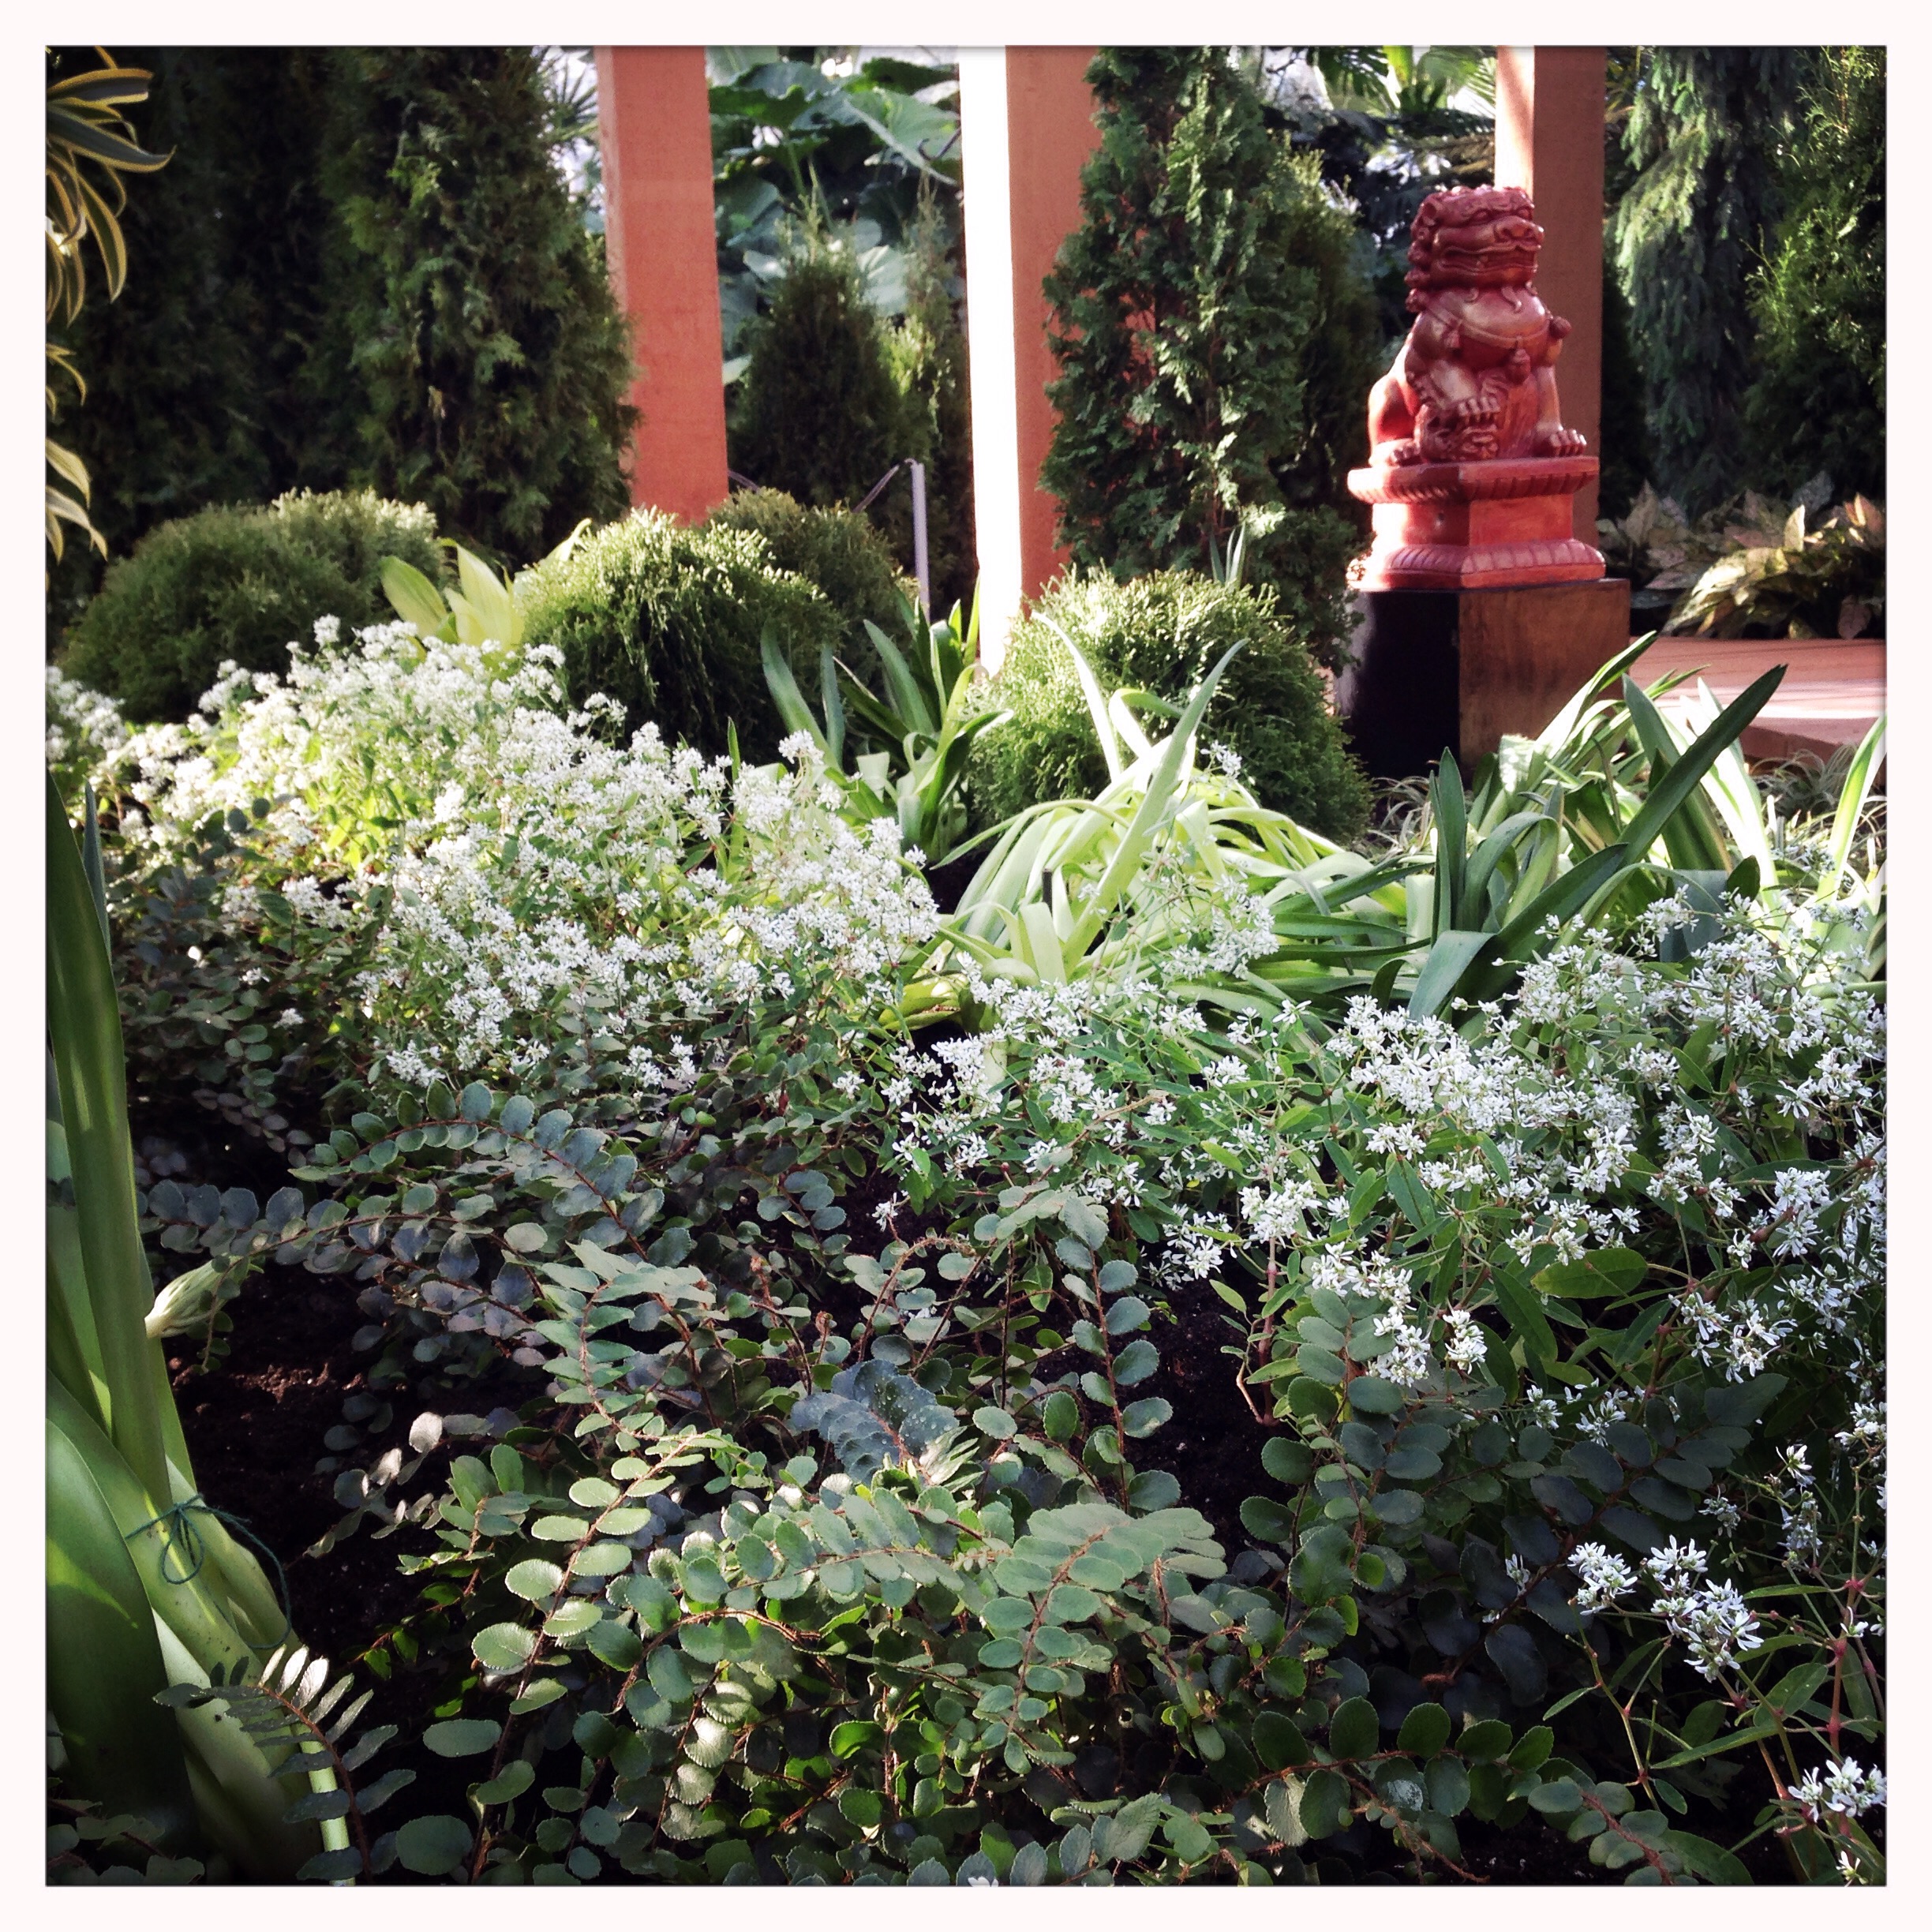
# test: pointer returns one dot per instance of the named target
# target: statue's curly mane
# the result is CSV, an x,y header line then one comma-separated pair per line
x,y
1451,208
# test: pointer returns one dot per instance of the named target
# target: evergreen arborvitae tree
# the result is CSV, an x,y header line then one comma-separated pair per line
x,y
1217,339
487,361
1819,301
358,268
819,414
190,375
1703,134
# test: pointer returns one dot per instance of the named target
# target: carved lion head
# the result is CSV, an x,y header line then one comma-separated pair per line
x,y
1472,237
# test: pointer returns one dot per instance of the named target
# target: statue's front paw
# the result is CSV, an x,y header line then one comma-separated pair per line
x,y
1564,443
1395,454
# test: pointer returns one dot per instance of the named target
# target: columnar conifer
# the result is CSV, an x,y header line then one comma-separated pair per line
x,y
1216,339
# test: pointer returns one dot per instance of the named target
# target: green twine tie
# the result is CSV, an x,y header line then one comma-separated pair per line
x,y
194,1548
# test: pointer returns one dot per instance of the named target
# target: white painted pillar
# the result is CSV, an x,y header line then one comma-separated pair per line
x,y
987,199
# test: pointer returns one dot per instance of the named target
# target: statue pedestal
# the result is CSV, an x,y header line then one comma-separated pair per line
x,y
1475,525
1446,669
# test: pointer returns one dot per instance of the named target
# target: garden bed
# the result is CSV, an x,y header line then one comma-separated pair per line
x,y
1199,1356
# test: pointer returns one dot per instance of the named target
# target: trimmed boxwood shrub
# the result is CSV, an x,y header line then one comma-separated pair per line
x,y
667,619
838,550
1163,633
240,582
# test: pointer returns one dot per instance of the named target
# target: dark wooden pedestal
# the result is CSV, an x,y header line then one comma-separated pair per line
x,y
1446,669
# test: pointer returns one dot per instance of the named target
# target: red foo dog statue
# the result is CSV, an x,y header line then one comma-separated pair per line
x,y
1477,378
1471,470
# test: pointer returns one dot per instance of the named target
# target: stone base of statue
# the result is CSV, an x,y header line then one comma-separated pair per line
x,y
1475,525
1443,670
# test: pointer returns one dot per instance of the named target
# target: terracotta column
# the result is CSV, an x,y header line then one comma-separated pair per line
x,y
1549,142
1026,131
1050,131
654,119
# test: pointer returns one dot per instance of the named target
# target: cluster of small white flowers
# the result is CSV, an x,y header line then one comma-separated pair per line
x,y
1467,1348
1566,1114
573,883
1605,1577
1799,1197
1426,1068
1755,985
1655,1066
1240,930
1689,1137
1676,1566
526,865
1543,1409
1740,1336
1709,1619
1192,1253
383,720
1408,1361
1611,1406
1551,986
84,728
1280,1213
1844,1786
1867,1430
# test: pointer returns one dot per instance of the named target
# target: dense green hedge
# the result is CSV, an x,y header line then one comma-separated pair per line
x,y
239,582
490,365
837,550
1163,633
668,620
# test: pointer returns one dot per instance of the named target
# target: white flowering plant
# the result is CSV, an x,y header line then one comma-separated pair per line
x,y
1513,1308
85,732
1567,1270
498,889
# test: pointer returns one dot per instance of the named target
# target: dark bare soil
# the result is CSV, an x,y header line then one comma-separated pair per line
x,y
1212,1447
255,1423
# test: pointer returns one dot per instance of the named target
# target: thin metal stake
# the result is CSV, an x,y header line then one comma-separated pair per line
x,y
922,566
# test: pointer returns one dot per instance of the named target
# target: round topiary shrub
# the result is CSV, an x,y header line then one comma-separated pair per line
x,y
838,550
1163,633
239,582
668,620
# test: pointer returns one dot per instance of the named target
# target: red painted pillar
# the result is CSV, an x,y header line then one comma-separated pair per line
x,y
1549,132
1050,133
654,119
